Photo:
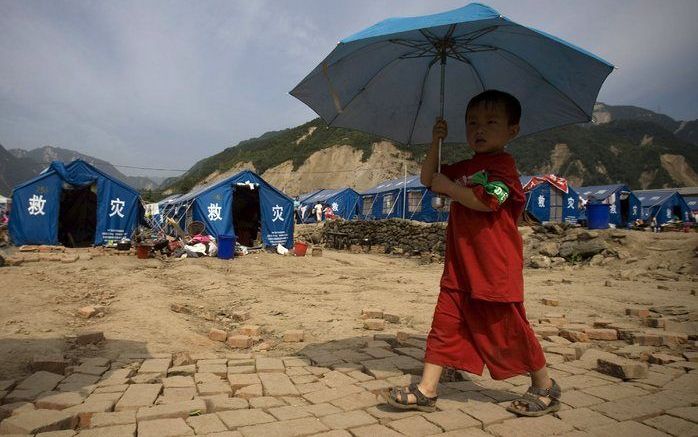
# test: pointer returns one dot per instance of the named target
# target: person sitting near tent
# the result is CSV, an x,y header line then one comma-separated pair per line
x,y
296,212
329,212
317,209
4,218
480,317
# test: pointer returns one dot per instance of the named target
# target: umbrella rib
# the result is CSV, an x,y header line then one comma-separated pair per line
x,y
362,89
466,61
544,79
421,99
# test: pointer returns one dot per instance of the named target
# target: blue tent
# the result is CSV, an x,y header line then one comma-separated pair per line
x,y
547,203
692,202
304,196
386,200
237,206
344,202
664,205
624,206
74,204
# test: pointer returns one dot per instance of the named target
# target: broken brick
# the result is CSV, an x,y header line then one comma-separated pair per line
x,y
217,334
240,341
294,335
374,324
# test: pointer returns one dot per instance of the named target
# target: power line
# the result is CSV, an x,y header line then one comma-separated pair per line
x,y
149,168
276,172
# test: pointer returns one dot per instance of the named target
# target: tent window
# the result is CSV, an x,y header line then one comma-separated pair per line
x,y
77,219
246,215
414,201
367,205
388,201
556,205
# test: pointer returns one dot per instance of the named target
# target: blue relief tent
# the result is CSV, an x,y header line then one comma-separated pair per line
x,y
692,202
664,205
240,206
624,207
547,203
343,201
75,205
387,200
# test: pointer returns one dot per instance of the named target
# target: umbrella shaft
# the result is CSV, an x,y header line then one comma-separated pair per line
x,y
441,102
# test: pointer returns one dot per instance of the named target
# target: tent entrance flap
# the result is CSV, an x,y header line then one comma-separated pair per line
x,y
676,212
246,215
624,208
77,219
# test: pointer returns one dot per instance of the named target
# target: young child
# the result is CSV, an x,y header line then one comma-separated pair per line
x,y
479,317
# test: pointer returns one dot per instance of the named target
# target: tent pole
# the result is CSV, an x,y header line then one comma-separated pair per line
x,y
404,197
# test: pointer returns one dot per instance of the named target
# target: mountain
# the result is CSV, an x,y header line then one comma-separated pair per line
x,y
625,144
44,156
688,131
685,130
15,170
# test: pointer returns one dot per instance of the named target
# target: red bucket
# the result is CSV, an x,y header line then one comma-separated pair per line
x,y
300,248
143,251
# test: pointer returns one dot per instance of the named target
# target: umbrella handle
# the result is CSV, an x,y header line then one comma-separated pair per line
x,y
438,201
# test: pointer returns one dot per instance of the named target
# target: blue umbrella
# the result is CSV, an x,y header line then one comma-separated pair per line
x,y
390,79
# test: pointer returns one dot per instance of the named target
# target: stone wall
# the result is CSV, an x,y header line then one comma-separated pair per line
x,y
396,236
552,245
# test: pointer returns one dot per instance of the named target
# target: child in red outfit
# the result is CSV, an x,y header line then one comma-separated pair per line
x,y
479,317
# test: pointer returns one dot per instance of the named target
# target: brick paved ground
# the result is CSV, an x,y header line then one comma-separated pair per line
x,y
336,389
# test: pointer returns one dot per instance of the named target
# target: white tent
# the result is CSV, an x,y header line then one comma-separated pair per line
x,y
4,200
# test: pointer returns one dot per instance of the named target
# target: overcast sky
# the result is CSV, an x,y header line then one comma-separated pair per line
x,y
166,83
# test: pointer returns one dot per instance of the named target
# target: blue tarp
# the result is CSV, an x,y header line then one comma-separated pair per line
x,y
213,205
624,207
343,201
692,202
665,205
386,199
547,203
36,204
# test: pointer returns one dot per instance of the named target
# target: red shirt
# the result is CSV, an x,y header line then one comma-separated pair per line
x,y
484,250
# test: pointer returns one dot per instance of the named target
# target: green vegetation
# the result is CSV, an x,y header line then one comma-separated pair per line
x,y
608,153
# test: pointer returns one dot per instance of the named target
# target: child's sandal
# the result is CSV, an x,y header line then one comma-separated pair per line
x,y
531,405
398,398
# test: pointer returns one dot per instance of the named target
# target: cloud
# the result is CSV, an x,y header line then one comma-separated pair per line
x,y
171,82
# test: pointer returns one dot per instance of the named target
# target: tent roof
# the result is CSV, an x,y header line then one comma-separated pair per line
x,y
524,179
241,175
79,166
692,202
169,199
395,184
304,196
654,197
601,191
322,195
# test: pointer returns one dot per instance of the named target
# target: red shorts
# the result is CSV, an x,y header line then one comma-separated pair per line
x,y
468,334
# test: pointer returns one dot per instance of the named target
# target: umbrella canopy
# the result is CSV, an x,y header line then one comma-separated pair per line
x,y
389,79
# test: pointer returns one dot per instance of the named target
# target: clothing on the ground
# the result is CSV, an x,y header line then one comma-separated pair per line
x,y
484,250
468,334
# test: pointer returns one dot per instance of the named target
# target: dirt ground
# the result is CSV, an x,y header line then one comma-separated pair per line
x,y
322,295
